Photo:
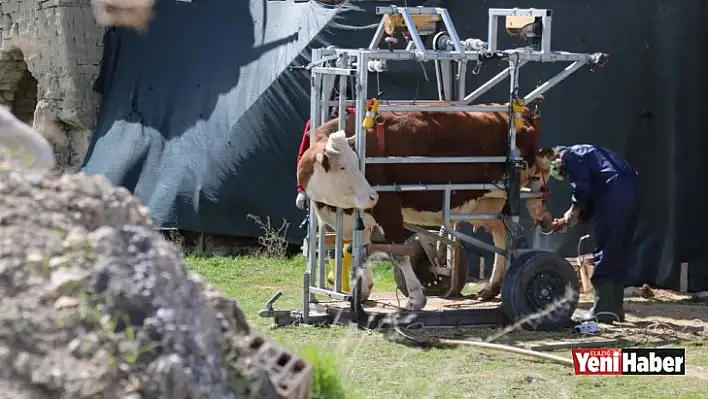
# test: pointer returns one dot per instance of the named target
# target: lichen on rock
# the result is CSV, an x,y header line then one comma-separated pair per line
x,y
95,304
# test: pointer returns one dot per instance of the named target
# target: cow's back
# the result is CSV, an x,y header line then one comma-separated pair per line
x,y
439,134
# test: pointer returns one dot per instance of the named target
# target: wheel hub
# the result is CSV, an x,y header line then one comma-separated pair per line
x,y
544,288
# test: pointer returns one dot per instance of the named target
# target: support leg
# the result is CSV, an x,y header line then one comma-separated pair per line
x,y
367,281
493,287
416,298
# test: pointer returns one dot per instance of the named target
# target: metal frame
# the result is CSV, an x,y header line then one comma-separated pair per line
x,y
331,62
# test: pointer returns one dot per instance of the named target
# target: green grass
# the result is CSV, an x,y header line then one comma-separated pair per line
x,y
368,366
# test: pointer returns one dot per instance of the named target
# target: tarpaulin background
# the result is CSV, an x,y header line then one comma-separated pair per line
x,y
201,117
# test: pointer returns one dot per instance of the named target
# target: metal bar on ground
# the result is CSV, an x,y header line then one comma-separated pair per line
x,y
330,294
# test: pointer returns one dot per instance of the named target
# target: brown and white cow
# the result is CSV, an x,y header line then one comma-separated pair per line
x,y
330,174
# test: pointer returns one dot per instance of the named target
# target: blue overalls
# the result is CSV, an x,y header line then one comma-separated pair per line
x,y
607,189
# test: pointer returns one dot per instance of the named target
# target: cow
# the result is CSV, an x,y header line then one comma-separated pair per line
x,y
329,172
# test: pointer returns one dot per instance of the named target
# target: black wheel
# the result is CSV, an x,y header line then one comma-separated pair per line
x,y
533,282
432,285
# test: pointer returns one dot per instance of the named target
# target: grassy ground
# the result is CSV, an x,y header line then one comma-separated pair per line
x,y
371,367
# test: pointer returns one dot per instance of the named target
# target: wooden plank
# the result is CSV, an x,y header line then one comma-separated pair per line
x,y
590,343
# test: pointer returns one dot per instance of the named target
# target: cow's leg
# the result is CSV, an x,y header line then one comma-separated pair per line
x,y
493,287
416,298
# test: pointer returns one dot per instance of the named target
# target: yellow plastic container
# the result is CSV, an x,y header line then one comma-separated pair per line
x,y
346,269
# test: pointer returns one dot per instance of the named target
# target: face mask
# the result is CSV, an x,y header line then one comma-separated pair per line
x,y
555,170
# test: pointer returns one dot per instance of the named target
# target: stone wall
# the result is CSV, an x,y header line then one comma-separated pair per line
x,y
49,57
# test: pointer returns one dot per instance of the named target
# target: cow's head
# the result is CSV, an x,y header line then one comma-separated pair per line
x,y
334,177
537,175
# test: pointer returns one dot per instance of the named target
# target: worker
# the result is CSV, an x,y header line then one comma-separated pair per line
x,y
606,192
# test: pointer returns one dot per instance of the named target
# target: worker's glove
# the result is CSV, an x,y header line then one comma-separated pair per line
x,y
301,201
571,217
568,220
560,225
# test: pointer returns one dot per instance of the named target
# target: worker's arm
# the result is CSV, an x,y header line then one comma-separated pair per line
x,y
580,181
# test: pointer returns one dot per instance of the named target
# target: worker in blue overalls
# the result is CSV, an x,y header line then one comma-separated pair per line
x,y
606,192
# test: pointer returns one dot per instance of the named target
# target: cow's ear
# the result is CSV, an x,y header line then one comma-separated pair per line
x,y
323,160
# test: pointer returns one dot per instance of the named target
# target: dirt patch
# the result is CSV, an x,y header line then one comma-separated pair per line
x,y
664,318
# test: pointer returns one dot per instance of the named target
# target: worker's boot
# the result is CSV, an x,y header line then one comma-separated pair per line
x,y
619,300
604,306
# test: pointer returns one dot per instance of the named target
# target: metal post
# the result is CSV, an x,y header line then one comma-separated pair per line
x,y
420,47
342,121
315,89
376,40
546,37
513,77
461,78
451,29
515,167
492,32
322,256
361,91
306,297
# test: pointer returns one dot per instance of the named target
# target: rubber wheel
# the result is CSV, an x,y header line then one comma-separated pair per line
x,y
432,285
534,281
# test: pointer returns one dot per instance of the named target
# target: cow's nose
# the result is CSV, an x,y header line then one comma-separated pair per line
x,y
374,197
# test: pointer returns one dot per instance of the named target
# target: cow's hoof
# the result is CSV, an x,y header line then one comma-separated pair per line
x,y
487,294
416,302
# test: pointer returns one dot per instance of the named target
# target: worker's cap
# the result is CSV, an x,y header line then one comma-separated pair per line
x,y
555,165
558,150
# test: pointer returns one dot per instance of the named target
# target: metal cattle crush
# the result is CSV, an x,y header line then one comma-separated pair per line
x,y
451,56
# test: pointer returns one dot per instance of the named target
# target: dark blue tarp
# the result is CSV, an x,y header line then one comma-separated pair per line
x,y
201,118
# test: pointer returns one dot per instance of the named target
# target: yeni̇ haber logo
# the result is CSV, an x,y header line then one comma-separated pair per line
x,y
630,361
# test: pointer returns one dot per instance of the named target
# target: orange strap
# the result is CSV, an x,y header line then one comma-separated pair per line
x,y
380,138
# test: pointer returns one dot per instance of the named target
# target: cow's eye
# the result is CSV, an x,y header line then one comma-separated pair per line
x,y
342,167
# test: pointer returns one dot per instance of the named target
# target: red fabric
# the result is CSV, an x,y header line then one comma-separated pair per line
x,y
305,143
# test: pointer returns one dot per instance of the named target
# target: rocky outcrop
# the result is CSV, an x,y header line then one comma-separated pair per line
x,y
95,304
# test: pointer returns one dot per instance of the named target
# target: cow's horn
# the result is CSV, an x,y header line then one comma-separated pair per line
x,y
329,149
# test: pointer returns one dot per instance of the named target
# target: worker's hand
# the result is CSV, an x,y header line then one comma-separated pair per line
x,y
560,225
301,201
